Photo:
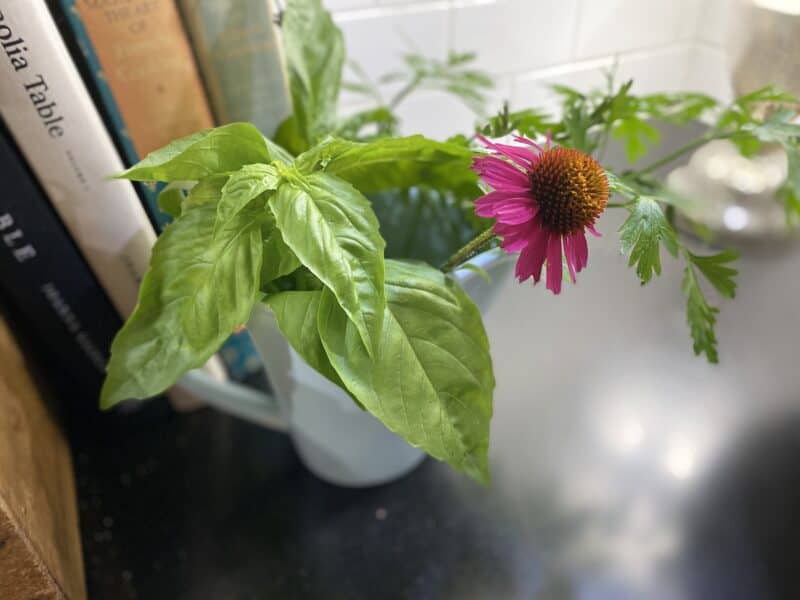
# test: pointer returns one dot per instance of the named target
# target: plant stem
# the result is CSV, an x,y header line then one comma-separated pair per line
x,y
400,96
681,151
621,204
469,250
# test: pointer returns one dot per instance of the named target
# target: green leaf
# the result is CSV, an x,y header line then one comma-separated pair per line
x,y
637,136
680,108
279,260
170,199
314,56
205,191
242,187
529,123
199,287
423,223
643,233
394,163
430,380
332,230
296,314
204,153
288,135
381,119
701,316
277,152
716,270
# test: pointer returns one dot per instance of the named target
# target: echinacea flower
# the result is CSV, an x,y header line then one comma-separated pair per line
x,y
544,200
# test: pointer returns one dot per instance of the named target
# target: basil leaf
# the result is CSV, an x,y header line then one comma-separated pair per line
x,y
279,260
242,186
296,314
197,290
290,137
204,153
331,228
314,57
394,163
430,380
170,199
278,151
205,191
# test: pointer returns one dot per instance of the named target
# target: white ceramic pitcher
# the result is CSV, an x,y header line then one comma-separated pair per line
x,y
336,440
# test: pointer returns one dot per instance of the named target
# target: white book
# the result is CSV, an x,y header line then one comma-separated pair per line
x,y
51,116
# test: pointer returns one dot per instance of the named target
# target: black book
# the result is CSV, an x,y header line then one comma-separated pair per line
x,y
47,281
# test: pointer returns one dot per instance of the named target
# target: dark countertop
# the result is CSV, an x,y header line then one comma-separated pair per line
x,y
622,467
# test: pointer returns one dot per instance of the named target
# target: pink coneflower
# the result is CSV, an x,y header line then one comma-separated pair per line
x,y
544,199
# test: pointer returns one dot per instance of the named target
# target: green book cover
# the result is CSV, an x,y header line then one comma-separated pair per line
x,y
238,48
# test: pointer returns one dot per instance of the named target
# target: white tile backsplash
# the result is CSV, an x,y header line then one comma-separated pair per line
x,y
510,36
530,44
615,26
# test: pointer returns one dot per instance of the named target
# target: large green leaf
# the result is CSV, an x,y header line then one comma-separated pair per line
x,y
279,260
204,153
314,56
242,186
296,314
198,289
394,163
331,228
430,379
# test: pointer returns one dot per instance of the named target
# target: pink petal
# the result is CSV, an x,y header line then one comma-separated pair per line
x,y
516,237
569,254
501,175
554,268
521,156
488,205
532,257
594,231
581,250
524,140
516,213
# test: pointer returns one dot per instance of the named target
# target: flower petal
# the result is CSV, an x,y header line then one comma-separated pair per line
x,y
517,237
501,175
524,157
524,140
532,258
488,205
569,254
594,231
554,268
581,250
516,213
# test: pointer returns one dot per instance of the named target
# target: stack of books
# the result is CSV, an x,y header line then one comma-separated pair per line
x,y
88,88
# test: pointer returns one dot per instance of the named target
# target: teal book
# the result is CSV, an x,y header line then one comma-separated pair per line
x,y
237,43
138,62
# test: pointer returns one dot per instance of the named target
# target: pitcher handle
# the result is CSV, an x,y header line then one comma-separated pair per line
x,y
237,399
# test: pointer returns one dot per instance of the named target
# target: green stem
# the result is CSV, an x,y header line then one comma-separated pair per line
x,y
621,204
681,151
469,250
401,95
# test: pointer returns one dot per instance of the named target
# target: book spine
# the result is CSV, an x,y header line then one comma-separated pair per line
x,y
43,275
241,58
141,66
59,131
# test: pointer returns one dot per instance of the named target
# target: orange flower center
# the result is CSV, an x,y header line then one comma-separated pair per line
x,y
571,189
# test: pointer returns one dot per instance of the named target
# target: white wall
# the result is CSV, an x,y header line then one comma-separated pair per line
x,y
529,44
